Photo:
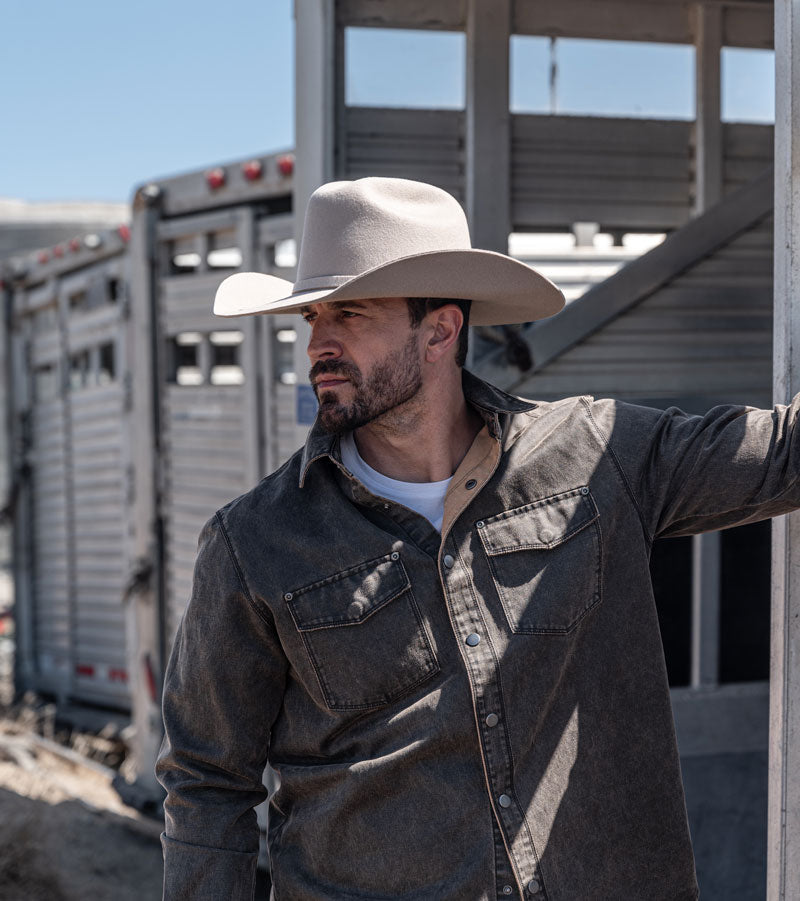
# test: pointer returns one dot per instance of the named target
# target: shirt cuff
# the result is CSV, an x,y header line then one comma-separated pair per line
x,y
200,873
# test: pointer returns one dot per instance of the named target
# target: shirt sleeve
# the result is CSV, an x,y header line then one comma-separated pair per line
x,y
690,474
223,689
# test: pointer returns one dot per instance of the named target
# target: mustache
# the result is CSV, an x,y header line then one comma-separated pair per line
x,y
335,367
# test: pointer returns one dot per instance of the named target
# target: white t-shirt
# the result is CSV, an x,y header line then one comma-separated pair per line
x,y
426,498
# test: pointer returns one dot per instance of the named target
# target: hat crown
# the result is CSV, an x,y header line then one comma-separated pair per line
x,y
354,226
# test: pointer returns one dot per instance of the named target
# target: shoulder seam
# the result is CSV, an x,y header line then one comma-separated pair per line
x,y
617,465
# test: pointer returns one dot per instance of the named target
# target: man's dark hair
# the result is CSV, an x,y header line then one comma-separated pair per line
x,y
419,307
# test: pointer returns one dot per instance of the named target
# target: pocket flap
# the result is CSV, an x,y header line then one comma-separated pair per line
x,y
348,597
540,525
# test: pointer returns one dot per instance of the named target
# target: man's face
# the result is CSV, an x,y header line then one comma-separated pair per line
x,y
365,360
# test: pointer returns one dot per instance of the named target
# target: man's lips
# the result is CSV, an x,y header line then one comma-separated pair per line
x,y
329,381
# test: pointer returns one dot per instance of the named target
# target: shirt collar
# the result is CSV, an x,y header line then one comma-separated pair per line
x,y
488,400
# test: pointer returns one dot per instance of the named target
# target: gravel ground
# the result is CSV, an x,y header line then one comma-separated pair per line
x,y
64,833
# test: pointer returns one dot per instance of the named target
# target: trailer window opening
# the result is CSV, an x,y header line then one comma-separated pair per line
x,y
183,263
106,371
395,67
589,77
224,258
284,254
79,370
283,341
184,359
79,301
225,364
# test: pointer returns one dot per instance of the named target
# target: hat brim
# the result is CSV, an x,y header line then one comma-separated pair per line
x,y
502,290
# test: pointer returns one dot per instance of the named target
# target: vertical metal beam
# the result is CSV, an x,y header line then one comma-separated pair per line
x,y
705,609
783,850
145,624
708,125
488,124
318,110
316,91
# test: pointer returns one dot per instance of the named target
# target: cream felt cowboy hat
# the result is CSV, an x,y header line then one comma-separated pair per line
x,y
390,237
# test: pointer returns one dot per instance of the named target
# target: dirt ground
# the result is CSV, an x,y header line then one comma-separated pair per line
x,y
64,833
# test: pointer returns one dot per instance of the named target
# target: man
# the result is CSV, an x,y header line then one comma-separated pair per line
x,y
436,621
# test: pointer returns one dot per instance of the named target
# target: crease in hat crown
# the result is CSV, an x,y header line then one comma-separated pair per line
x,y
354,226
392,237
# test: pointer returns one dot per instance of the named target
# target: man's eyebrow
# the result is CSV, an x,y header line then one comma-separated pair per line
x,y
338,305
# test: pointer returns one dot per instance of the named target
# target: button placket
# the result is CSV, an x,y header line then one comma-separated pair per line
x,y
482,668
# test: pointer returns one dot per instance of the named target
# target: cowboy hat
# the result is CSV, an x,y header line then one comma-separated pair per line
x,y
390,237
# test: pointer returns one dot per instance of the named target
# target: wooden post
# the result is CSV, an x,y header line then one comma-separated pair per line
x,y
488,124
783,851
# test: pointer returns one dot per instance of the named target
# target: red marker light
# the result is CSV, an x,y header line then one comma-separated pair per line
x,y
286,164
252,170
75,245
124,232
44,257
58,250
215,178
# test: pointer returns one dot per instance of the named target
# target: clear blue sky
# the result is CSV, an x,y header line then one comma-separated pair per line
x,y
98,97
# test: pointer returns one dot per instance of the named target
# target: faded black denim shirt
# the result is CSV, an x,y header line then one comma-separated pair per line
x,y
480,716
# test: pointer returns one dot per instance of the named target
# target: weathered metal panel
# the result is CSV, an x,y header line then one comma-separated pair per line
x,y
708,332
426,145
748,150
98,544
50,533
568,169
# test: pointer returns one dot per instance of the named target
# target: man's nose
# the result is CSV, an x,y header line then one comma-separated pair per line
x,y
322,345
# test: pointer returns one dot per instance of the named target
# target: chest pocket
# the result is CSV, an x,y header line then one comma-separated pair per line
x,y
545,559
364,634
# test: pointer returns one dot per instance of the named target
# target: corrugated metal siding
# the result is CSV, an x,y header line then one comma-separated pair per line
x,y
748,150
426,145
205,467
98,544
628,173
51,576
706,334
622,173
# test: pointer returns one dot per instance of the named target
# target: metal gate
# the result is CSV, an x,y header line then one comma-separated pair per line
x,y
70,374
226,386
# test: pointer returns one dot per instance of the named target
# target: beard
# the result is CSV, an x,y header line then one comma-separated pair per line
x,y
392,382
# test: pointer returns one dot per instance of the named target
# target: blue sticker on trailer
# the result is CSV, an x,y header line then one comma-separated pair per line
x,y
306,405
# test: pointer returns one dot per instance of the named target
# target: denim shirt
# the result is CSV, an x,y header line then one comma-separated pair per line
x,y
478,715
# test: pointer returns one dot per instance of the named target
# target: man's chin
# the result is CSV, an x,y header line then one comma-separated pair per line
x,y
335,418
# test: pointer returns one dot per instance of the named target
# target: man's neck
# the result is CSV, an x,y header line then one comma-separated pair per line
x,y
425,439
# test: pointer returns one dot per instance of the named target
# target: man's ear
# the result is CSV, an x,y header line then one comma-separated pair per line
x,y
445,323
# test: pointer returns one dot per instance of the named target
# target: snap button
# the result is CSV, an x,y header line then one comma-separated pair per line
x,y
507,889
354,609
584,490
492,719
448,561
533,886
470,483
545,536
473,639
480,524
504,801
288,596
394,555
